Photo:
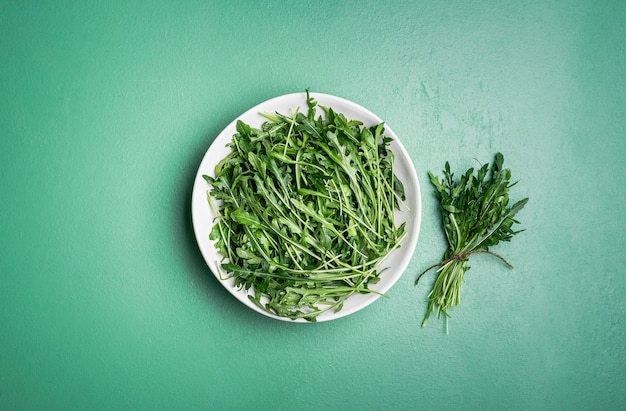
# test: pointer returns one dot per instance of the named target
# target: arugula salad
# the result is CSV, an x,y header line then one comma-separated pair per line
x,y
305,210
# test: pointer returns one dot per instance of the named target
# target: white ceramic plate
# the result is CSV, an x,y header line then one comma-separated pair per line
x,y
397,261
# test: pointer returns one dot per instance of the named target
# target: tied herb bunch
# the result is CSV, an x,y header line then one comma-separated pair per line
x,y
306,210
475,216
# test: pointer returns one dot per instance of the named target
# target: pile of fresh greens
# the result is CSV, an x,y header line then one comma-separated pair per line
x,y
306,210
475,215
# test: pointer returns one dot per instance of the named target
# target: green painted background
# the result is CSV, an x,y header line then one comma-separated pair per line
x,y
108,106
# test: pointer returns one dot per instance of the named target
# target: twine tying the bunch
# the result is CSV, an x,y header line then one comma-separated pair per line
x,y
462,256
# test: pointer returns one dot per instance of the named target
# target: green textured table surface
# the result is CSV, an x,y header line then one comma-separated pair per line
x,y
108,107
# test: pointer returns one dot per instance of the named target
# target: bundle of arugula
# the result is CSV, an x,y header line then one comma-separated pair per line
x,y
475,215
307,210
